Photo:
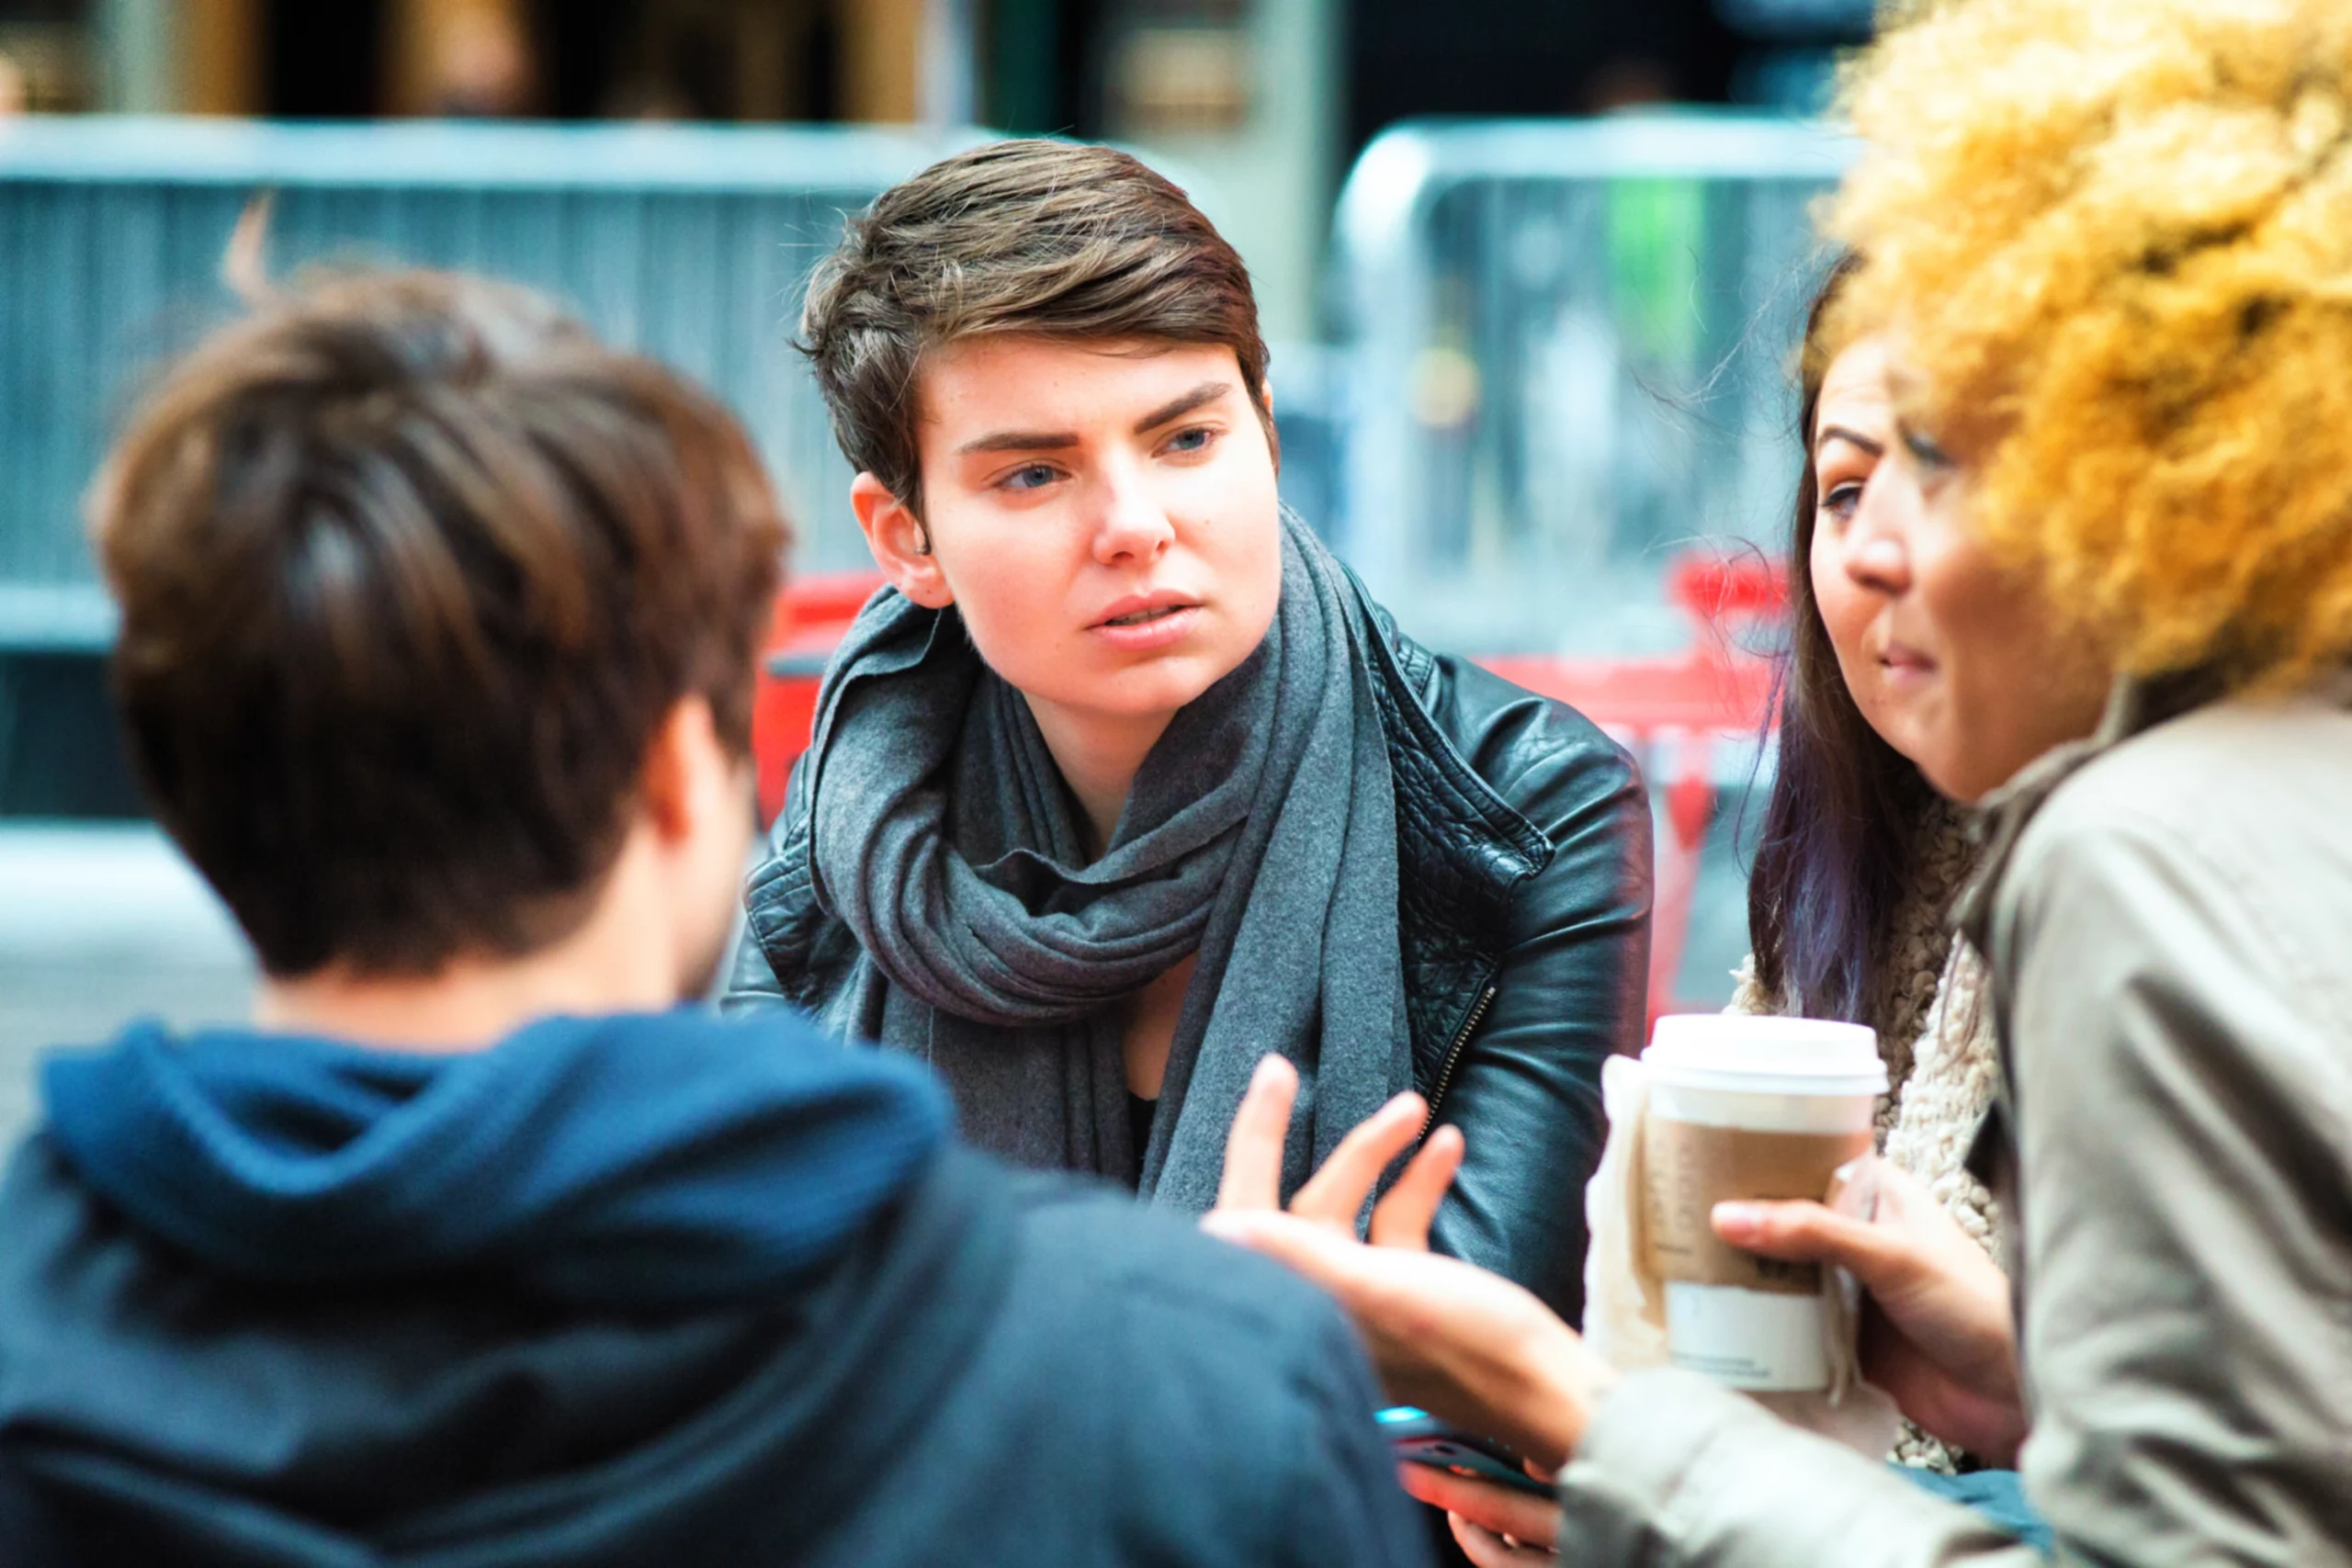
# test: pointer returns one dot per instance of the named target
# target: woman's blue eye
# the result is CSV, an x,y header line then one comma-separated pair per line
x,y
1842,499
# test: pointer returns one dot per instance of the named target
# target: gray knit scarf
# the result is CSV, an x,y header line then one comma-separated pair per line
x,y
1260,833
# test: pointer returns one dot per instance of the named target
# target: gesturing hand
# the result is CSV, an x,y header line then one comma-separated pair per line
x,y
1938,1332
1454,1339
1334,1195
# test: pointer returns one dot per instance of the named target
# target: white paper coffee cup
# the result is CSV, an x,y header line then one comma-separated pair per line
x,y
1747,1107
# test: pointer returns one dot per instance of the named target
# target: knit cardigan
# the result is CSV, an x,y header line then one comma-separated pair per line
x,y
1935,1032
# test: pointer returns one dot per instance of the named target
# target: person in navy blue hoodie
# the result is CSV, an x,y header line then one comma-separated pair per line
x,y
479,1246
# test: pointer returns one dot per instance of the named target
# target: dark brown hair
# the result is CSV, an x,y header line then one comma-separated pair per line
x,y
1837,846
411,569
1056,238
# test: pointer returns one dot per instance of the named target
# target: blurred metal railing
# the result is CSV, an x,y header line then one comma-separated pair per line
x,y
1567,349
691,243
1564,396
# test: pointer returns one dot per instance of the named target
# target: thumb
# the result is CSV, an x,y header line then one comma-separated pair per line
x,y
1878,1256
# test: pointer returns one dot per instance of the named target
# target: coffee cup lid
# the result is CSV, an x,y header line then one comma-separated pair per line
x,y
1747,1054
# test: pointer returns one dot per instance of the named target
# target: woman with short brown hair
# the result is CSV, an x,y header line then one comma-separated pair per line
x,y
1124,781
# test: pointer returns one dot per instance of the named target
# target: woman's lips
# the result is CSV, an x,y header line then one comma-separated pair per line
x,y
1905,663
1155,627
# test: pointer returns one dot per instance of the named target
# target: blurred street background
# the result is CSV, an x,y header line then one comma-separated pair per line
x,y
1531,269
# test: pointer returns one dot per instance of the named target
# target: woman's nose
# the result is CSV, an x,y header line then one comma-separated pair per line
x,y
1878,562
1877,556
1133,524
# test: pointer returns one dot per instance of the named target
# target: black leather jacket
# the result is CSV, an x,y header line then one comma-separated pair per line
x,y
1523,839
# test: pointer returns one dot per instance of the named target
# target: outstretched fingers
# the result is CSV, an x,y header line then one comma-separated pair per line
x,y
1252,1178
1336,1193
1403,1218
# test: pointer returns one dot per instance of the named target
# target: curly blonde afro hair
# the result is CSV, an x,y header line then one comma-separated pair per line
x,y
2116,234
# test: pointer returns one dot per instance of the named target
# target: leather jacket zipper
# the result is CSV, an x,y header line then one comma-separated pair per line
x,y
1453,1054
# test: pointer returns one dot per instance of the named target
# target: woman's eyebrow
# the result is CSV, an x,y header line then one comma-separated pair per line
x,y
1839,433
1052,440
1177,408
1021,441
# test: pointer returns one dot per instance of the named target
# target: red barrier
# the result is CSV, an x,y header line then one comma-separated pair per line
x,y
1670,713
810,615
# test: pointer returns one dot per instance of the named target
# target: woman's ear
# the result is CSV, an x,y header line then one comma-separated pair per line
x,y
901,543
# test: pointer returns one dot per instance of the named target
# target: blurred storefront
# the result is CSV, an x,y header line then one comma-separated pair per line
x,y
1266,101
1247,92
734,60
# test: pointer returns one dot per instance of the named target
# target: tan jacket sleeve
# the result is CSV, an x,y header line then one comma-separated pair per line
x,y
1677,1472
2177,997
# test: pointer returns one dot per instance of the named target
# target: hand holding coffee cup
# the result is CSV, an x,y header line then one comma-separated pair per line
x,y
1746,1109
1938,1332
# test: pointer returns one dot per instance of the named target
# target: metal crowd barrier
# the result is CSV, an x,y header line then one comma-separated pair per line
x,y
1569,445
690,243
1567,347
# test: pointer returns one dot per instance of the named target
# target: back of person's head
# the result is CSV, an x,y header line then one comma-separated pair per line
x,y
2116,235
1062,240
412,571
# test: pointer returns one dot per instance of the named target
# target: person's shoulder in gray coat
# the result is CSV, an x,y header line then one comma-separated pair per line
x,y
2171,940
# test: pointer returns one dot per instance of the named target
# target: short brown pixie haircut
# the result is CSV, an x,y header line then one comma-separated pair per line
x,y
1060,239
410,571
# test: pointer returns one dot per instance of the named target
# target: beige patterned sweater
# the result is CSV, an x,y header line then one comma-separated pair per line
x,y
1935,1031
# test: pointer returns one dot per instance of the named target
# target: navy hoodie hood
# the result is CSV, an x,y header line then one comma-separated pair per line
x,y
613,1291
634,1292
637,1161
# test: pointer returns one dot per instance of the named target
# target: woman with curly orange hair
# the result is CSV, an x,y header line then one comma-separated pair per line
x,y
2110,250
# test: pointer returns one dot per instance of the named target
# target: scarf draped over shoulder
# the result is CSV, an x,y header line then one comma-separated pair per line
x,y
1260,834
